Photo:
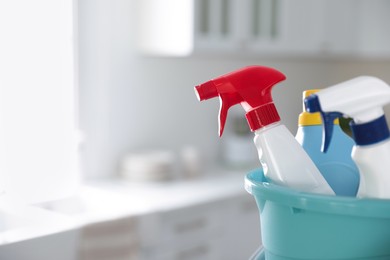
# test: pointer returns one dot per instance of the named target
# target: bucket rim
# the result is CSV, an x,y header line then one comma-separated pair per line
x,y
257,185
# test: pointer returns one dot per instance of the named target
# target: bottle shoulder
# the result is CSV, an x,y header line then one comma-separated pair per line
x,y
268,128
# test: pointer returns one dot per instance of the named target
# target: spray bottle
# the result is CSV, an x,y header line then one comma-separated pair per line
x,y
361,99
283,159
336,165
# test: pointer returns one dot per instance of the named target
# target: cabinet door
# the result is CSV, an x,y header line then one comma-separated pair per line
x,y
186,233
164,27
355,28
259,26
206,249
373,35
286,27
242,234
113,239
340,27
197,222
181,27
215,25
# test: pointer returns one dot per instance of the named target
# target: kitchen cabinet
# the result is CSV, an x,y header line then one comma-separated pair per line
x,y
356,28
211,217
114,239
239,225
258,26
229,26
219,222
227,228
373,39
265,28
192,232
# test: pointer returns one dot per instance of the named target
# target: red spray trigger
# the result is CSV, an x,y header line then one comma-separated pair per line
x,y
251,87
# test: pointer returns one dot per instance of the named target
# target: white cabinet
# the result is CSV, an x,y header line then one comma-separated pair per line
x,y
229,26
373,38
290,28
242,228
356,28
265,27
114,239
252,26
193,222
226,229
188,233
215,218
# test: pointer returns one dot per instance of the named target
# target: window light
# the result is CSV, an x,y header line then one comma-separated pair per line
x,y
38,146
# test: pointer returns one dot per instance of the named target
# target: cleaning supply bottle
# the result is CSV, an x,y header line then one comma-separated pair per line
x,y
361,99
283,159
336,165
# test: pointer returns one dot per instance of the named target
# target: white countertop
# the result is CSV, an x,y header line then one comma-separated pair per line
x,y
111,199
114,198
22,222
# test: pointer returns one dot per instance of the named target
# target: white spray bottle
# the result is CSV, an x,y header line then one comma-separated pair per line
x,y
283,159
362,99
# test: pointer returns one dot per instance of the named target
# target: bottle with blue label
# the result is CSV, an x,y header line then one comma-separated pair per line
x,y
336,165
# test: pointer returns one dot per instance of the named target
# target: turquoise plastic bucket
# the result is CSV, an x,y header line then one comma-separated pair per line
x,y
297,225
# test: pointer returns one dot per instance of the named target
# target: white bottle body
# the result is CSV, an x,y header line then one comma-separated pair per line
x,y
373,162
286,163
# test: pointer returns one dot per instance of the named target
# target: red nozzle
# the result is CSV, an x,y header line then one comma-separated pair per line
x,y
251,86
206,91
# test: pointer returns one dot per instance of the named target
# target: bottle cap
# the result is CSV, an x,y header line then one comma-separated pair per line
x,y
308,119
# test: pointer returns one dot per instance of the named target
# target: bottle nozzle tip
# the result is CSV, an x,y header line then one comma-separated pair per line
x,y
196,90
206,90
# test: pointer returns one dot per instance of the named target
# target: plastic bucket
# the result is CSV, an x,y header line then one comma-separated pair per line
x,y
297,225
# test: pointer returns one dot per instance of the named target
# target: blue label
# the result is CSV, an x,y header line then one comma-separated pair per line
x,y
370,133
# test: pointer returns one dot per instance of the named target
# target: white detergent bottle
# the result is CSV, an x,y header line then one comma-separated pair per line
x,y
362,99
283,159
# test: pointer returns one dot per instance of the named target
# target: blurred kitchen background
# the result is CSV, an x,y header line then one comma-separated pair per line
x,y
145,175
131,102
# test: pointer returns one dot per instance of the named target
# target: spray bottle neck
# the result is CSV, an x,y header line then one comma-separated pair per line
x,y
262,116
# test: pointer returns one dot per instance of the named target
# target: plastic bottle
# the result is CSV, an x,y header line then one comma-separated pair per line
x,y
336,165
362,99
283,159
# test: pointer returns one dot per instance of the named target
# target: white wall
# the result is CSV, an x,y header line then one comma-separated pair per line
x,y
159,107
130,103
104,40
